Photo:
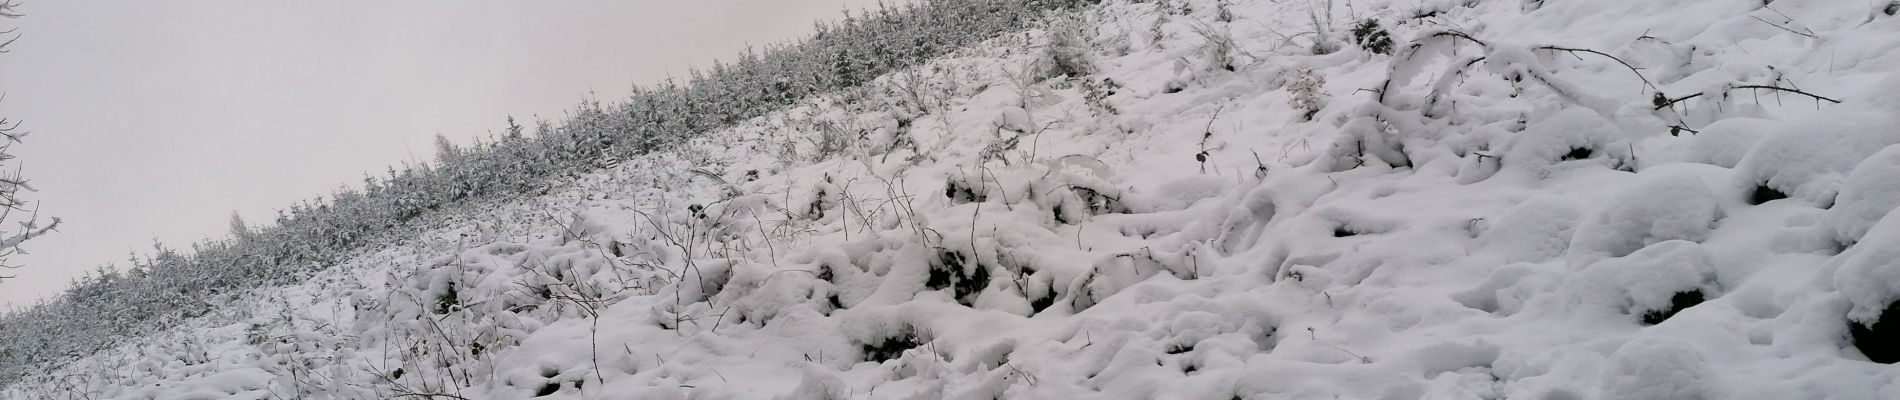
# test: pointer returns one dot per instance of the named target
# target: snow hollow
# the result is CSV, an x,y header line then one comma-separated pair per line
x,y
1182,199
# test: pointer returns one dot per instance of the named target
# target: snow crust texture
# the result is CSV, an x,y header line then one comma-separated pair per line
x,y
1615,199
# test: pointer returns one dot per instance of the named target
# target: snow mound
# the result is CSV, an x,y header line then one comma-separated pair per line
x,y
1660,205
1867,195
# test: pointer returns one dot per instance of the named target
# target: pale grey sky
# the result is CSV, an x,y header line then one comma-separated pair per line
x,y
157,119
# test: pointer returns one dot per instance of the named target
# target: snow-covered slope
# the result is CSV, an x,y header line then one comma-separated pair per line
x,y
1617,199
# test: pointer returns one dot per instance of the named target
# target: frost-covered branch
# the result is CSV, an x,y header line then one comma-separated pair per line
x,y
1663,101
10,186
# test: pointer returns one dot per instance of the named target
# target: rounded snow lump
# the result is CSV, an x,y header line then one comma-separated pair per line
x,y
1809,157
1869,275
1661,205
1870,192
1655,369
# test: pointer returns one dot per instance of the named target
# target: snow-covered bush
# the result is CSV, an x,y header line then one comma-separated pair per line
x,y
1868,195
1218,48
1070,44
1368,140
1869,278
1096,93
1372,37
1320,15
1661,205
1308,92
1650,285
1550,145
1808,159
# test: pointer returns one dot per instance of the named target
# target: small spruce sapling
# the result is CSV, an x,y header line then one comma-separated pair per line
x,y
1308,93
1372,37
1096,92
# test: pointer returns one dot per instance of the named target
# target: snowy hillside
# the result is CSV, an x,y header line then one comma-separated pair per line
x,y
1614,199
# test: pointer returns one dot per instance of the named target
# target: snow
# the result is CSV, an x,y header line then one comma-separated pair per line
x,y
1657,369
1526,227
1867,195
1808,158
1869,275
1660,204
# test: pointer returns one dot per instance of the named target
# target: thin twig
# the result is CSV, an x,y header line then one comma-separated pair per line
x,y
1810,35
1795,91
1626,64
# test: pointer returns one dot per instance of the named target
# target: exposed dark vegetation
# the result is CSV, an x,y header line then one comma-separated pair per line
x,y
1680,301
1369,35
1880,340
891,348
1764,194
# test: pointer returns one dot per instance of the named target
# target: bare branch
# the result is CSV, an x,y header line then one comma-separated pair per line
x,y
1785,28
1795,91
1632,68
1663,101
7,11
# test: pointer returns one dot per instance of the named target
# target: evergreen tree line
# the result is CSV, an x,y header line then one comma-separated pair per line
x,y
167,286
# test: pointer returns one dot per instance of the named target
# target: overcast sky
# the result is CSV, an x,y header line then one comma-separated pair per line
x,y
158,119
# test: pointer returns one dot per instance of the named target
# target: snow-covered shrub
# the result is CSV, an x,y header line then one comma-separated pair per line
x,y
824,197
1869,277
1372,37
1218,47
1096,92
1307,92
1068,51
1074,193
1651,284
1868,194
1572,134
1366,140
1662,205
965,189
964,276
1112,274
1808,158
1320,15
